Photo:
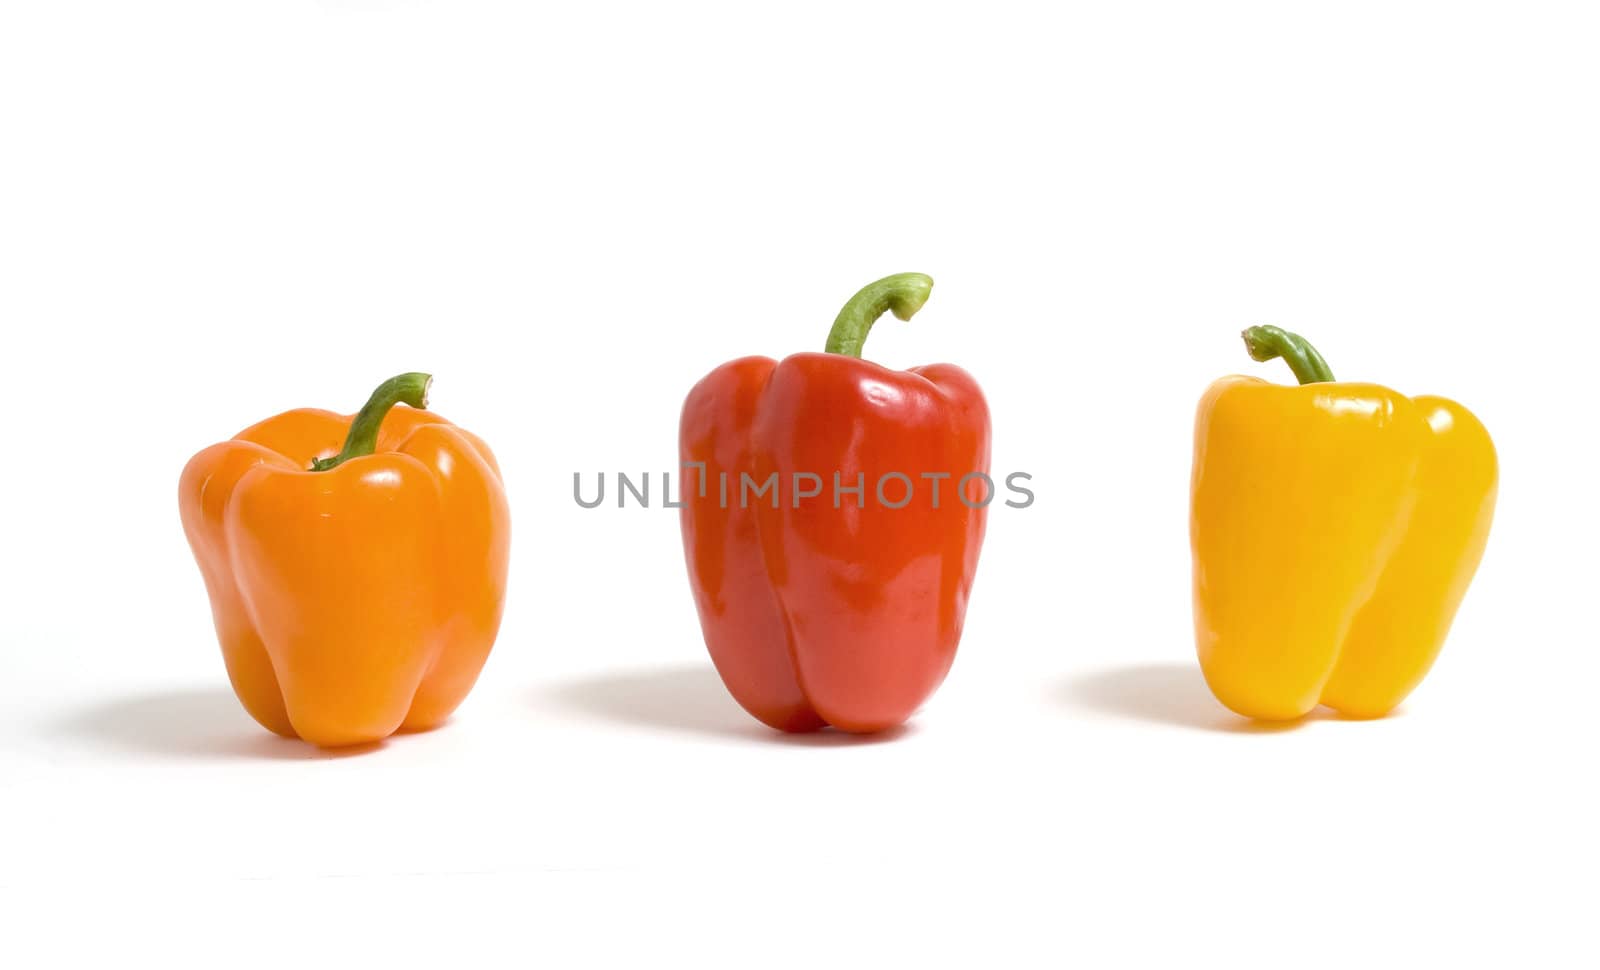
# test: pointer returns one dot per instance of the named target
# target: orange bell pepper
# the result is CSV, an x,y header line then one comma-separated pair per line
x,y
356,591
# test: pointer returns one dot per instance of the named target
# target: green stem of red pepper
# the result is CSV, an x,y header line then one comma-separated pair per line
x,y
362,440
1267,343
902,293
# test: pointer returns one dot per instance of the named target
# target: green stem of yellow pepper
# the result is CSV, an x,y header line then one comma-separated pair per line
x,y
902,293
362,440
1266,343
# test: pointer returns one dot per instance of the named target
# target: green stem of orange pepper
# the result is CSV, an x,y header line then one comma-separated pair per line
x,y
362,440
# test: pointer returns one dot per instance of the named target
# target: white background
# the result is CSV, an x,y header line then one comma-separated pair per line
x,y
212,212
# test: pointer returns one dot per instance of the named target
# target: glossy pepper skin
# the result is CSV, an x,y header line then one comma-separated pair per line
x,y
1335,528
816,615
355,592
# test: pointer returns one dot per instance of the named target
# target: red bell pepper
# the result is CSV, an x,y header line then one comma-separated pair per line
x,y
821,604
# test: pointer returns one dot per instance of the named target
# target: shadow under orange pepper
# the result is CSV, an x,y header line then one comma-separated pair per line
x,y
356,565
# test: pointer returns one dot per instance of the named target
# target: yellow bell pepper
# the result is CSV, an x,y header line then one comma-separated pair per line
x,y
1335,528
